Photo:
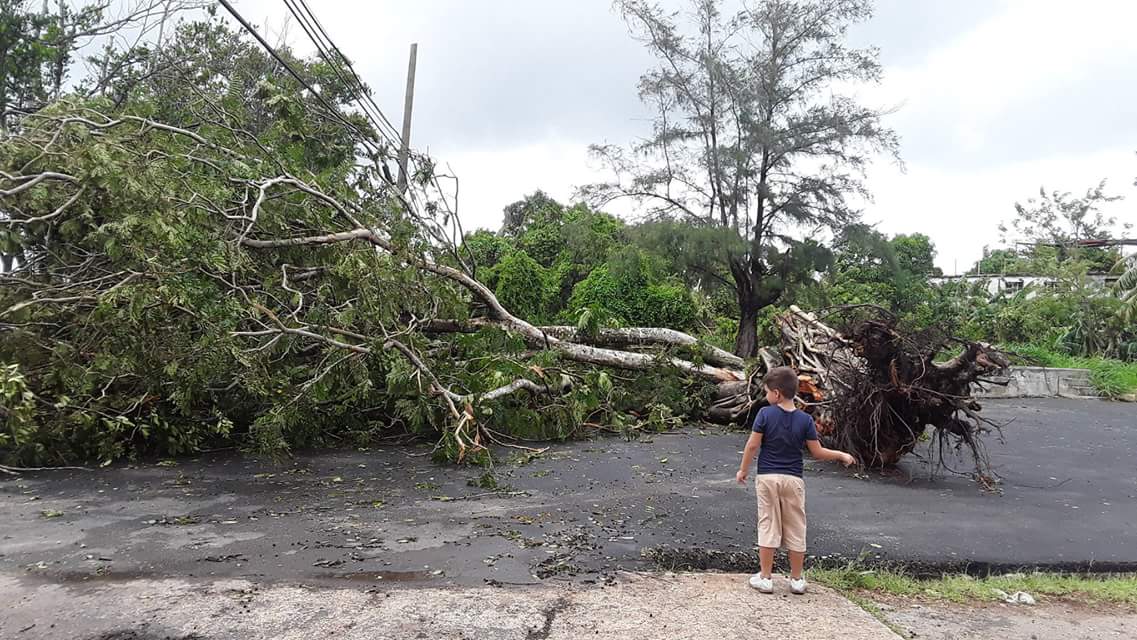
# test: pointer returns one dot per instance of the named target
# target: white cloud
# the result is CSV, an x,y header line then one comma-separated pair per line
x,y
493,178
968,167
961,210
1029,50
510,95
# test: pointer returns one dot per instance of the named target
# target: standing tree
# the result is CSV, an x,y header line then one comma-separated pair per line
x,y
1056,224
751,135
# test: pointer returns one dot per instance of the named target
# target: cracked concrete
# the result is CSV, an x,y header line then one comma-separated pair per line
x,y
681,606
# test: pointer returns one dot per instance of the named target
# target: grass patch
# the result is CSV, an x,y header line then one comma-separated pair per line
x,y
1111,378
1112,589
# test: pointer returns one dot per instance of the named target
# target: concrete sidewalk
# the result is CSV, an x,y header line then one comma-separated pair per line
x,y
673,606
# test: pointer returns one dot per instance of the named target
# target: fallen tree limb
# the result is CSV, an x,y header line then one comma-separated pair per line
x,y
501,317
15,471
607,337
647,336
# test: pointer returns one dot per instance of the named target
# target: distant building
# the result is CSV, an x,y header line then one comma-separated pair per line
x,y
1011,284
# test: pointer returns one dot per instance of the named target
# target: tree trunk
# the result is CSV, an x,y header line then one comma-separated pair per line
x,y
746,340
647,337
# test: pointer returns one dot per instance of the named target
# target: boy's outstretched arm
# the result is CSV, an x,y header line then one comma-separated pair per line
x,y
821,453
751,450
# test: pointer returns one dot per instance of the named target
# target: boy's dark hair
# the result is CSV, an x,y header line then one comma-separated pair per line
x,y
783,380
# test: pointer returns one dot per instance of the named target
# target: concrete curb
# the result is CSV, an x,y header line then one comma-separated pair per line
x,y
1039,382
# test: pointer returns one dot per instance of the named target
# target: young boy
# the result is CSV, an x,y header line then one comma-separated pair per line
x,y
781,431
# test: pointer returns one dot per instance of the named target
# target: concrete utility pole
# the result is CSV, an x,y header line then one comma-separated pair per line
x,y
405,146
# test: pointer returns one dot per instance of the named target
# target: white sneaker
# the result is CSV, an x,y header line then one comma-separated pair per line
x,y
765,585
797,587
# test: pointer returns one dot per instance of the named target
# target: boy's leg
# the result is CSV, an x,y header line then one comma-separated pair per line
x,y
797,563
791,495
769,522
766,560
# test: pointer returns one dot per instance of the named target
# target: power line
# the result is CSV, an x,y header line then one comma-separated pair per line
x,y
340,63
267,47
334,65
347,61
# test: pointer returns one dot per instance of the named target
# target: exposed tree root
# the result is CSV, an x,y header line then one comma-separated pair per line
x,y
874,391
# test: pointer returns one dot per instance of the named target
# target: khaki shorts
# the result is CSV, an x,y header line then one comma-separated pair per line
x,y
781,511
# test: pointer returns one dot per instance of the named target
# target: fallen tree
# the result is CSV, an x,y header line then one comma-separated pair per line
x,y
873,390
195,277
220,259
876,390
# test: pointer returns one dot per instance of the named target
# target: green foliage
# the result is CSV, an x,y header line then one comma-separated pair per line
x,y
666,304
536,209
543,242
485,249
1002,261
1042,260
630,288
697,254
1126,289
598,400
18,405
590,320
520,285
153,366
870,268
722,333
915,254
566,243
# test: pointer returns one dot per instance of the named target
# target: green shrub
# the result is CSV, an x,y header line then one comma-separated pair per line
x,y
632,299
521,285
665,305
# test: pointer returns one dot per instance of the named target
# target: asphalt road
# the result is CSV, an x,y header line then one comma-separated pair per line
x,y
580,512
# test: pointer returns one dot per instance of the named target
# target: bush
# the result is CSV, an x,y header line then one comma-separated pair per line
x,y
630,298
521,285
665,305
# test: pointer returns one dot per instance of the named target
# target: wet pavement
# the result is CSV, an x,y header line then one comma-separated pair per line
x,y
579,513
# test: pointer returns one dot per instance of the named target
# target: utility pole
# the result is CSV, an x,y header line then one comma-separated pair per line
x,y
405,144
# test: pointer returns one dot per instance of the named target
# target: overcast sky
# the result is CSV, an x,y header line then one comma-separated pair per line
x,y
996,98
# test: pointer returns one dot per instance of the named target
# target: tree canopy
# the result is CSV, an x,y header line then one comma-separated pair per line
x,y
751,135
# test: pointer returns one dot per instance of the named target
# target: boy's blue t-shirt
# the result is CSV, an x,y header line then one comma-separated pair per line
x,y
783,436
